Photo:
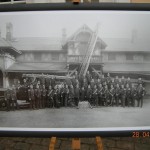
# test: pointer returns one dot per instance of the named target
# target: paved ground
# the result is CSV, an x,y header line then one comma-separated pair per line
x,y
78,118
116,143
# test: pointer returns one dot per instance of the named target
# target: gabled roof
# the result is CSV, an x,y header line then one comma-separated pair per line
x,y
128,67
126,45
6,46
85,28
38,67
37,43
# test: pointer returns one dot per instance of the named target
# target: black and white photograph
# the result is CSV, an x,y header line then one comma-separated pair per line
x,y
75,69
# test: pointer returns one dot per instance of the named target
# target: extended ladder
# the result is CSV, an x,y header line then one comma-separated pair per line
x,y
89,52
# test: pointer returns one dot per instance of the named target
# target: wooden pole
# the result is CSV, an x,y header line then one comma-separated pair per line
x,y
52,143
99,143
76,144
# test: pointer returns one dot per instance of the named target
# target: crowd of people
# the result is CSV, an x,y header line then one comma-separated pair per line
x,y
98,90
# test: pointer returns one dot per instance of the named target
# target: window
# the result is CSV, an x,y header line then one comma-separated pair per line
x,y
29,57
147,57
37,57
129,57
111,56
55,57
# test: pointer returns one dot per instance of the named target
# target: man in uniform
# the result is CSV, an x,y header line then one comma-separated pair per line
x,y
92,84
98,82
103,80
120,83
95,96
85,83
77,94
7,96
89,94
55,96
31,94
123,80
133,95
61,94
116,80
140,94
77,83
113,82
117,94
52,82
73,81
82,94
106,95
47,83
88,77
50,94
139,81
128,95
44,93
38,97
66,95
128,81
123,95
108,80
71,95
68,81
111,94
24,90
76,75
100,94
14,98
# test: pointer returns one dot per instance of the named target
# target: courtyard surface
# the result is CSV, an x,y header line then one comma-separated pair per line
x,y
78,118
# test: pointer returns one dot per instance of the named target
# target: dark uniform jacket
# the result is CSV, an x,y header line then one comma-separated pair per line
x,y
116,81
31,94
77,92
92,84
13,94
95,93
38,93
50,93
88,77
123,92
71,93
73,82
112,91
89,93
44,91
133,92
82,94
108,80
7,95
140,92
117,91
128,92
100,91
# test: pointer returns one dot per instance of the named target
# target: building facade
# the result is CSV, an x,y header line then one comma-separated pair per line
x,y
128,57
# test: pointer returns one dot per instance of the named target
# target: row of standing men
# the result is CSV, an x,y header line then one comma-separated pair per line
x,y
101,91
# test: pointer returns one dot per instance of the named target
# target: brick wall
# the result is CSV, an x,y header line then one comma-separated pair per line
x,y
116,143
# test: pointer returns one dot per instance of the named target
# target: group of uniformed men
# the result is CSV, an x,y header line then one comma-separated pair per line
x,y
97,90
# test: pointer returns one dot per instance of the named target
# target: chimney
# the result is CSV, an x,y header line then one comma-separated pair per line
x,y
134,36
64,36
9,31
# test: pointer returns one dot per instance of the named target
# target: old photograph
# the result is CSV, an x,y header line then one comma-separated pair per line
x,y
75,69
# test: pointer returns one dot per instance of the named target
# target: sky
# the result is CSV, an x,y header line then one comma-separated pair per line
x,y
113,24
